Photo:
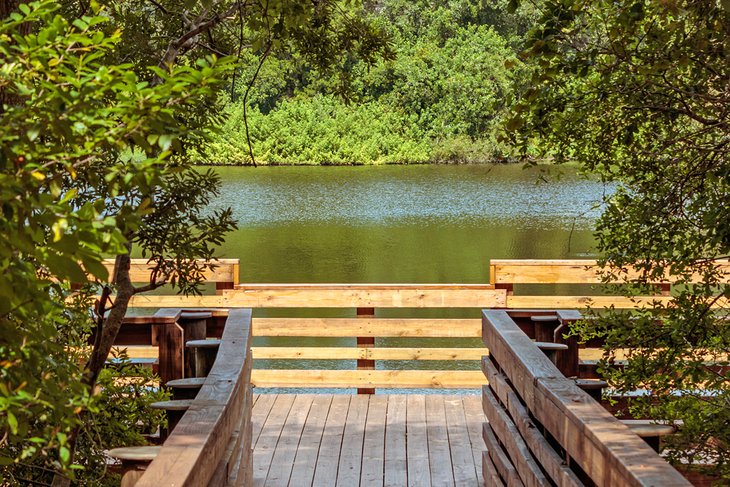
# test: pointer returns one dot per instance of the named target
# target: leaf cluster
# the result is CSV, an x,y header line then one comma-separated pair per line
x,y
638,93
90,156
447,86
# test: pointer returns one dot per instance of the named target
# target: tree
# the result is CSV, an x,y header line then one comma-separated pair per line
x,y
441,97
639,93
88,161
94,135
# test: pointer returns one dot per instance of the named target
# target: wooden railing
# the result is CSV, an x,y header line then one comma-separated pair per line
x,y
147,330
360,301
505,274
224,272
544,430
211,444
538,415
335,296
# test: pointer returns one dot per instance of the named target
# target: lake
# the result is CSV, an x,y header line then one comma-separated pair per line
x,y
429,223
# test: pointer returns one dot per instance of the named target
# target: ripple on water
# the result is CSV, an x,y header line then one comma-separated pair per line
x,y
461,195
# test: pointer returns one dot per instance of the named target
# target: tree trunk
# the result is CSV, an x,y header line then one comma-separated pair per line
x,y
104,341
112,324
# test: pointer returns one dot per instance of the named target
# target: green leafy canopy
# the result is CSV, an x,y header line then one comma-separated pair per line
x,y
639,93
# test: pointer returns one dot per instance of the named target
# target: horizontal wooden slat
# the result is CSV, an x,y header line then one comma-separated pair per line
x,y
580,302
415,297
352,353
428,379
543,271
549,459
491,477
358,287
369,295
140,351
492,300
508,434
226,270
367,327
575,271
505,468
596,302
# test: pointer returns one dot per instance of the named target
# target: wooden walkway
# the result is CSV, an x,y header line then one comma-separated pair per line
x,y
379,440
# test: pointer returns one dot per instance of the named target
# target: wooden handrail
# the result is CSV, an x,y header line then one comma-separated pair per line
x,y
565,271
505,274
525,383
211,445
422,352
338,296
223,272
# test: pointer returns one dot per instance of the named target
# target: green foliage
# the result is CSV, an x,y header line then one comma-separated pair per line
x,y
441,20
99,108
320,130
455,89
638,93
325,35
69,198
119,415
442,98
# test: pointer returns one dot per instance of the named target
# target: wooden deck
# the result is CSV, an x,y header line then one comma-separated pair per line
x,y
367,440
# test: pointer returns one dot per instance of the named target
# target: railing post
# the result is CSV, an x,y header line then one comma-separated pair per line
x,y
194,325
171,346
170,342
568,362
365,342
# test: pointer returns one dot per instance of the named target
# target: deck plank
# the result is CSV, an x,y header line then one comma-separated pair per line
x,y
474,420
462,459
439,456
396,466
329,450
286,448
348,472
302,473
417,442
269,437
379,440
259,412
373,456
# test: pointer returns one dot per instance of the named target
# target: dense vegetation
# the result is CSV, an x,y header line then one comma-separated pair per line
x,y
439,96
639,93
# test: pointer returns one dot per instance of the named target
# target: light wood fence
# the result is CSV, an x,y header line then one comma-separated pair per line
x,y
362,300
504,274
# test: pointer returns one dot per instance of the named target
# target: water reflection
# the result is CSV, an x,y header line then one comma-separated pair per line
x,y
401,223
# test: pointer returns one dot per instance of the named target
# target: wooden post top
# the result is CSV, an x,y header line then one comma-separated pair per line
x,y
135,453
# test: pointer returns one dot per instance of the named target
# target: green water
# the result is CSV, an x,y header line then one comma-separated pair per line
x,y
401,223
427,224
